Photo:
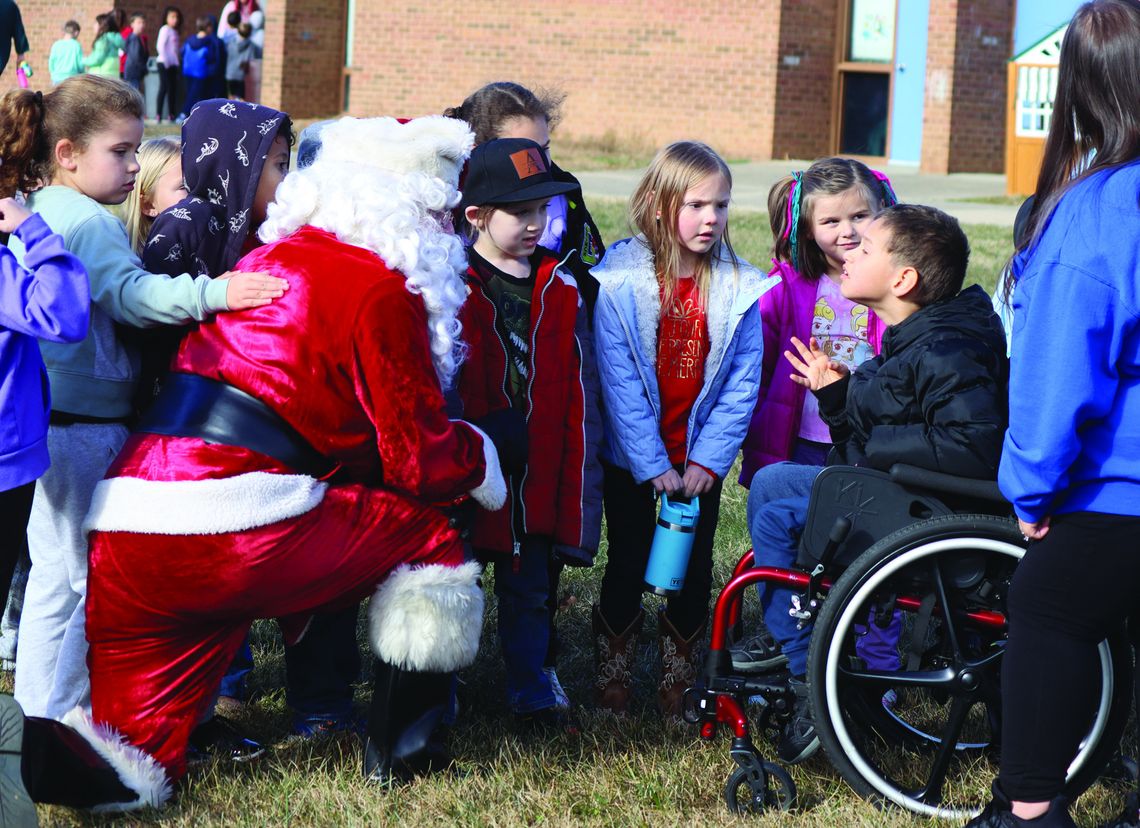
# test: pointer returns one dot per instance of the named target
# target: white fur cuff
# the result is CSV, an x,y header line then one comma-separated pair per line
x,y
137,770
428,618
200,507
492,492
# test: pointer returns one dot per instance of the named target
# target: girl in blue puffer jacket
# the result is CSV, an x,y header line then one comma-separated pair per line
x,y
678,342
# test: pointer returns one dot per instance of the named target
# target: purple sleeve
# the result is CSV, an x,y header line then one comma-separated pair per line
x,y
49,298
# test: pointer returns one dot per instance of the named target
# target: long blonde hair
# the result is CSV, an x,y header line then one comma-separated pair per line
x,y
154,156
656,204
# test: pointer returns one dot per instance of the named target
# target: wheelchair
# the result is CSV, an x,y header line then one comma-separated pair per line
x,y
930,557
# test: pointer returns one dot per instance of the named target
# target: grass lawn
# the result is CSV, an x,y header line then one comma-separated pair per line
x,y
639,771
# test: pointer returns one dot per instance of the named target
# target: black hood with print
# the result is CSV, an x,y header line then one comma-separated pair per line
x,y
224,147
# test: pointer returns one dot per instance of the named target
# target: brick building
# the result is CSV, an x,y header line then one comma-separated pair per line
x,y
920,81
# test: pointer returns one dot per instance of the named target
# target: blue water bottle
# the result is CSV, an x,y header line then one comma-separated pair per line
x,y
672,543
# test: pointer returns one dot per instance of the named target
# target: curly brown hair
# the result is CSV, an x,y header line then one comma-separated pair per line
x,y
489,107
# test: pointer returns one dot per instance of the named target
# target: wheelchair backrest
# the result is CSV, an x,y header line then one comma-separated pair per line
x,y
875,505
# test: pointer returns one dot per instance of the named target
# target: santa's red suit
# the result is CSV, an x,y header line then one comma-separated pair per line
x,y
193,540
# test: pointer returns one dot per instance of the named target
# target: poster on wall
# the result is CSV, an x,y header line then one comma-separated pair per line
x,y
872,31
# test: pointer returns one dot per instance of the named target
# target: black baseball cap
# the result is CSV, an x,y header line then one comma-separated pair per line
x,y
508,171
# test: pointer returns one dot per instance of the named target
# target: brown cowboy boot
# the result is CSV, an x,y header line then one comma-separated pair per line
x,y
614,657
678,664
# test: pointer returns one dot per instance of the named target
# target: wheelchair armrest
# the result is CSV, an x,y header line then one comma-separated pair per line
x,y
941,483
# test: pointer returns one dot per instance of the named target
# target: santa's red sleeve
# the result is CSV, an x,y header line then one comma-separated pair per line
x,y
422,452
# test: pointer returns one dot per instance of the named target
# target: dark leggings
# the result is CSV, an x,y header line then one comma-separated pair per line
x,y
15,507
168,78
1071,590
631,519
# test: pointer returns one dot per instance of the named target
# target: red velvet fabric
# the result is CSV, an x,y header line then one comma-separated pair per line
x,y
344,357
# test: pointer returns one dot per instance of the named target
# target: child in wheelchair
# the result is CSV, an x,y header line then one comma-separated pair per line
x,y
935,398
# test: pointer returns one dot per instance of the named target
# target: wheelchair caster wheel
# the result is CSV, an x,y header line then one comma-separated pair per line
x,y
753,791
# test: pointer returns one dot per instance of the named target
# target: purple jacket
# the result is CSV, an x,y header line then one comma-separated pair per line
x,y
49,300
785,311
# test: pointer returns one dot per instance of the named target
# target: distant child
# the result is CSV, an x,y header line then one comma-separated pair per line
x,y
239,52
529,349
816,216
200,59
48,302
158,185
253,79
105,48
87,131
935,397
137,53
677,328
66,57
169,62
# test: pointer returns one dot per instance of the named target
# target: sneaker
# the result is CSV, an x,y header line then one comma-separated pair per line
x,y
16,806
180,120
890,699
759,654
311,727
219,738
552,721
798,740
560,697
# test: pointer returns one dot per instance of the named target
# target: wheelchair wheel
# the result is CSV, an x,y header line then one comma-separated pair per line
x,y
905,664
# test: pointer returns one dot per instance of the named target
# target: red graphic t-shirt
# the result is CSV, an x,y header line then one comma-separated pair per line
x,y
682,347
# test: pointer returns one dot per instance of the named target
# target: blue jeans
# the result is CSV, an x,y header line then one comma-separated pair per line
x,y
777,512
524,624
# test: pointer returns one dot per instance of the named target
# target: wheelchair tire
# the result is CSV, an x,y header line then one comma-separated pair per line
x,y
953,690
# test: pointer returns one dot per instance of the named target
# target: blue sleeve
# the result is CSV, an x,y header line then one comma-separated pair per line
x,y
49,298
1068,333
722,434
633,422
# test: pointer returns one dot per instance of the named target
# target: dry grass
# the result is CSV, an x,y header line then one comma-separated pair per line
x,y
638,771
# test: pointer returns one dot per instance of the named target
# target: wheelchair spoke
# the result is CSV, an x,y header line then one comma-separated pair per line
x,y
931,793
947,614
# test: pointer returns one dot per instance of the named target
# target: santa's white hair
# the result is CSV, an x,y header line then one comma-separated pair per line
x,y
388,187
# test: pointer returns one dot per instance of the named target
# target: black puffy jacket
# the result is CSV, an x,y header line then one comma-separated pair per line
x,y
935,396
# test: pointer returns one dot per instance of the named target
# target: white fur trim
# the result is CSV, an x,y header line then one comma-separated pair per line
x,y
201,507
138,770
434,145
492,492
428,618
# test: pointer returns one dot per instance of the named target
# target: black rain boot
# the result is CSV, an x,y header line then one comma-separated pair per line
x,y
405,724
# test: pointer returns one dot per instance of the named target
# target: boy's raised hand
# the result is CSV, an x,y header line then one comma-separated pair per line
x,y
12,215
816,369
252,290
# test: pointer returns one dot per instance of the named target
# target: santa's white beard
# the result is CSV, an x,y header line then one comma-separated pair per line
x,y
395,217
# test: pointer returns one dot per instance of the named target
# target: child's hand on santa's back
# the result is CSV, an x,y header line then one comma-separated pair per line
x,y
252,290
12,215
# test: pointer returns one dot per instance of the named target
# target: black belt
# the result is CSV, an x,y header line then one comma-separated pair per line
x,y
194,406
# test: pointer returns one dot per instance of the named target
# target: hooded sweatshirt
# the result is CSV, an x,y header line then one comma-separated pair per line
x,y
224,146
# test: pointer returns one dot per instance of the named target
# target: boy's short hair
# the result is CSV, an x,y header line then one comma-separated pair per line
x,y
137,16
245,29
203,23
931,242
72,28
233,18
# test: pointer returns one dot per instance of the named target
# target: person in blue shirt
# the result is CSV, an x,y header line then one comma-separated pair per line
x,y
1071,459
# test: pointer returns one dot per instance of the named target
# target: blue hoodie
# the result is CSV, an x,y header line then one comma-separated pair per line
x,y
49,300
1074,395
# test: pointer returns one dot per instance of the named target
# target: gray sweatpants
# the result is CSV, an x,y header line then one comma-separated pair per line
x,y
51,662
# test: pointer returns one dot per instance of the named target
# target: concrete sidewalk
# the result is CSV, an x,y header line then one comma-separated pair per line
x,y
752,180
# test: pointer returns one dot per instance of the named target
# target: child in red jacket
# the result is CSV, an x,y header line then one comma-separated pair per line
x,y
525,325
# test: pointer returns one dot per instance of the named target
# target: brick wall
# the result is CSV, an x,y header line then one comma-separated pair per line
x,y
963,126
646,70
304,55
805,79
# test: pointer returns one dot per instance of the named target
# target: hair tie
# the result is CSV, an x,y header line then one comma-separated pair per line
x,y
792,217
39,96
889,196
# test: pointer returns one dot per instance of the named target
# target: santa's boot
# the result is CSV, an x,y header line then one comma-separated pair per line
x,y
425,623
679,664
78,764
406,735
614,654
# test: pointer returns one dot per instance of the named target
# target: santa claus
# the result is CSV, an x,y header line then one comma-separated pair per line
x,y
299,459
